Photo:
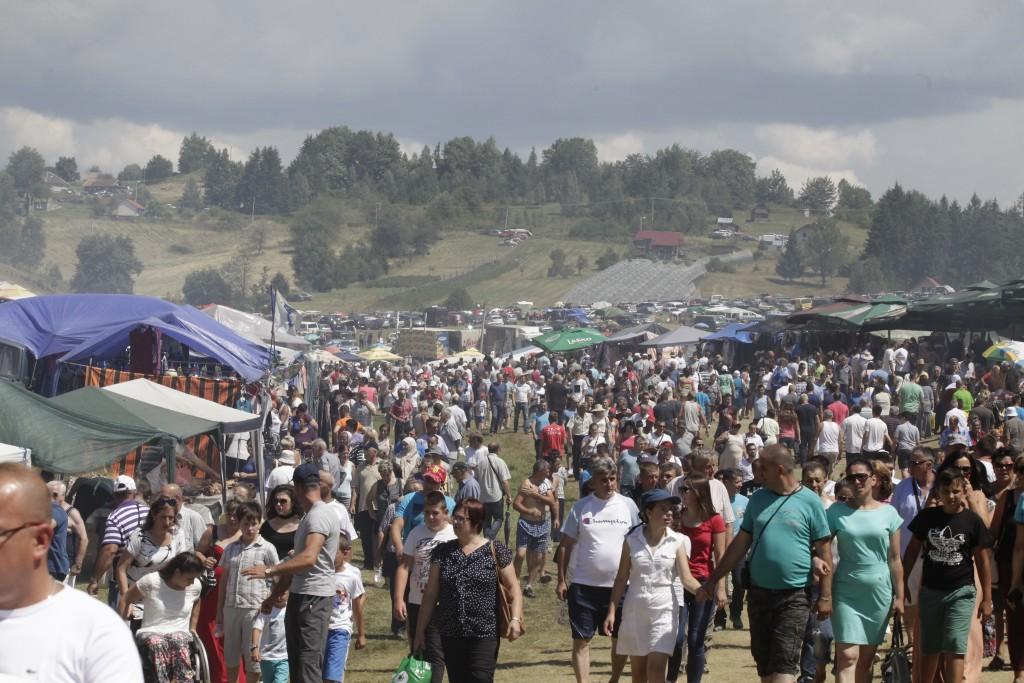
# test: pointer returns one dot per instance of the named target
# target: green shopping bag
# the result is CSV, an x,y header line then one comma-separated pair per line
x,y
412,670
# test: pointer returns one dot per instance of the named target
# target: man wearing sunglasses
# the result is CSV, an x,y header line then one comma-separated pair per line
x,y
50,632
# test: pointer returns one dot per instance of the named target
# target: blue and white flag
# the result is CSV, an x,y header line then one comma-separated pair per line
x,y
283,312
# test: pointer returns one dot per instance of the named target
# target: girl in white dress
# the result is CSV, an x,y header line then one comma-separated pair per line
x,y
653,557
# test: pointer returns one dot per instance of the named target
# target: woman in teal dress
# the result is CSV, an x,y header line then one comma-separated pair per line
x,y
868,582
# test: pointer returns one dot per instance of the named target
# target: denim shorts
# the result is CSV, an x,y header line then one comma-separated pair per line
x,y
335,654
274,670
533,536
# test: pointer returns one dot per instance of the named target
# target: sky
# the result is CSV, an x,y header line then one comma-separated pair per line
x,y
928,94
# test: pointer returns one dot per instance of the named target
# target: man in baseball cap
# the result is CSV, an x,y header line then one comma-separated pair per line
x,y
123,520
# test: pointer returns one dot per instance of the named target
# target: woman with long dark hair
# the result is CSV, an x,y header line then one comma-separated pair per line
x,y
149,549
462,589
283,515
170,599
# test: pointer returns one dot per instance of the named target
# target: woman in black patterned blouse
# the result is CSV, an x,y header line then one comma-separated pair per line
x,y
463,586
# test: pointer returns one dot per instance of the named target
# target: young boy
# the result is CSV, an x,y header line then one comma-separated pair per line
x,y
349,601
269,648
480,413
240,598
414,571
954,539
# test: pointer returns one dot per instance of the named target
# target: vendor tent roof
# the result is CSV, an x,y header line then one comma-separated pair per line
x,y
852,313
12,292
65,440
253,327
638,332
228,420
732,332
112,408
678,337
9,453
572,339
77,326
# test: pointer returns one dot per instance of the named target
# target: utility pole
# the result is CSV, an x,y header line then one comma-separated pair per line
x,y
506,218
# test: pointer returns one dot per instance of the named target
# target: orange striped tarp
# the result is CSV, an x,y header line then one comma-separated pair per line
x,y
225,392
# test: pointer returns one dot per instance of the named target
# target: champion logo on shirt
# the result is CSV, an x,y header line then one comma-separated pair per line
x,y
588,519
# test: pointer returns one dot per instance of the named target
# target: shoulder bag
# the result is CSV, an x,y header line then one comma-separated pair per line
x,y
896,665
745,573
505,615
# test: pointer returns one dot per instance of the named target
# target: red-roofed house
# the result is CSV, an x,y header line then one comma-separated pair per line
x,y
658,244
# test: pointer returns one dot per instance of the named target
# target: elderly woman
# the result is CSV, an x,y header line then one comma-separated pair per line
x,y
463,585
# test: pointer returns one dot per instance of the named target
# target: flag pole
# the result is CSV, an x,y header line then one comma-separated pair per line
x,y
273,328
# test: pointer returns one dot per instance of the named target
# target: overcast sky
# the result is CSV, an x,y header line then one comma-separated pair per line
x,y
927,93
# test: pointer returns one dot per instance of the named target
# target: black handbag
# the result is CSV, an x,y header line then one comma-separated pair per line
x,y
896,665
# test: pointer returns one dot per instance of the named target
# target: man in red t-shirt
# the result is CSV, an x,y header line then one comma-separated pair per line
x,y
552,437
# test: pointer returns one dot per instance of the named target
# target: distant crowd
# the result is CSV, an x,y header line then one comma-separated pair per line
x,y
840,496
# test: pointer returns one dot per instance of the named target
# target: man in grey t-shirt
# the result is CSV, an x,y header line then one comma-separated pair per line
x,y
311,572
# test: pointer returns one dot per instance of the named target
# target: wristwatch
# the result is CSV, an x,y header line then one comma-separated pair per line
x,y
253,647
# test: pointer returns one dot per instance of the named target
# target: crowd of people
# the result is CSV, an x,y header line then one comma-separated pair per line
x,y
827,494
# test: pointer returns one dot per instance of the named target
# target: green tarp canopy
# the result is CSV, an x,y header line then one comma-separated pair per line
x,y
66,440
852,314
107,406
572,339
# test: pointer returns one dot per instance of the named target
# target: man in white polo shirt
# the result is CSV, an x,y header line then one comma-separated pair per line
x,y
589,553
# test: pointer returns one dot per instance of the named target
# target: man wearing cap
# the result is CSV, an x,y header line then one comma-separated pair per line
x,y
1013,428
50,632
409,510
590,548
123,520
468,485
282,474
309,576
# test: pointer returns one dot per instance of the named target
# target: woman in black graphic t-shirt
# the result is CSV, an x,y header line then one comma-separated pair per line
x,y
950,539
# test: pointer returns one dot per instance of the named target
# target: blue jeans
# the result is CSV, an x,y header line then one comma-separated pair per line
x,y
497,416
694,619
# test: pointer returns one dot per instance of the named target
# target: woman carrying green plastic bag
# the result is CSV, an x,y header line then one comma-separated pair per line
x,y
412,670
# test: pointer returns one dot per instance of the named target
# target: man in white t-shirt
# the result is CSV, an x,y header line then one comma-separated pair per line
x,y
50,632
591,546
876,435
853,432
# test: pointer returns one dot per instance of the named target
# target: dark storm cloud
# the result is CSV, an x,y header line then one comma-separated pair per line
x,y
525,72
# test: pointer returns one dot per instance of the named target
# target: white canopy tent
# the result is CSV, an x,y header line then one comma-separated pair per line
x,y
231,421
9,453
254,327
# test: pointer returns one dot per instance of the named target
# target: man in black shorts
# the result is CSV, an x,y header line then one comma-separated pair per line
x,y
591,545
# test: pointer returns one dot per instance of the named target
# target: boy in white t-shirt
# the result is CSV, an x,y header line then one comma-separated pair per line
x,y
414,570
269,647
349,601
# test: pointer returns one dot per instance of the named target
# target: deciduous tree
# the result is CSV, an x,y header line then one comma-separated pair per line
x,y
106,263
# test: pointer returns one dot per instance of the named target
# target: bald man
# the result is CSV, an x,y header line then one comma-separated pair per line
x,y
78,537
50,632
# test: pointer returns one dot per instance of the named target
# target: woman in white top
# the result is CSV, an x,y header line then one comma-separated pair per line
x,y
171,609
653,557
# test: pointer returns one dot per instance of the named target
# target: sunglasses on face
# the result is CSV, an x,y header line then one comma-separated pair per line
x,y
921,462
859,477
1004,465
282,501
842,499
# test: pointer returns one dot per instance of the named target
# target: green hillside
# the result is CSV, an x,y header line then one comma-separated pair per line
x,y
464,257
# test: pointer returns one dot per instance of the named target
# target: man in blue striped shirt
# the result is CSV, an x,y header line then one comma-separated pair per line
x,y
125,518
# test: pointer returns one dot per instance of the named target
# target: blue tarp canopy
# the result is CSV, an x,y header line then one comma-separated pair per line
x,y
79,326
732,332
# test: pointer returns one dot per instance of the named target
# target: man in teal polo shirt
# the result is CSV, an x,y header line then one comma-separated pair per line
x,y
783,530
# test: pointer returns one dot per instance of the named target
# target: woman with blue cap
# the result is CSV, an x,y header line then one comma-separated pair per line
x,y
653,558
